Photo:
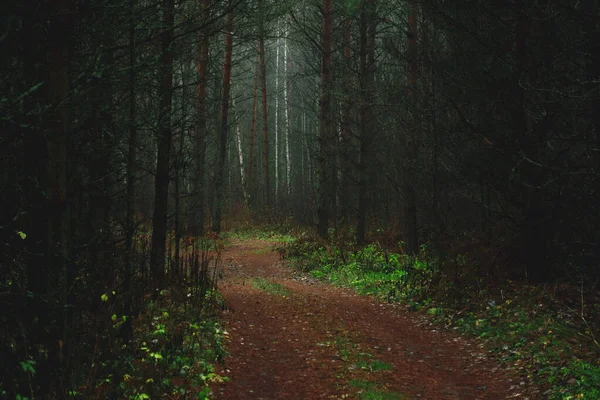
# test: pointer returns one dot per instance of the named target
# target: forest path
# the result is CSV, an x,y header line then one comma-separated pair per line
x,y
295,338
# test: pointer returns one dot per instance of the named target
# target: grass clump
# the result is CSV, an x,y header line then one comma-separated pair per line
x,y
369,391
269,287
268,233
362,373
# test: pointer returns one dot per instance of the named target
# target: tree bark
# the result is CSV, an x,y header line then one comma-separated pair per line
x,y
224,126
165,133
410,201
263,77
325,124
368,27
287,96
253,134
197,226
277,48
179,174
346,162
57,91
238,137
131,170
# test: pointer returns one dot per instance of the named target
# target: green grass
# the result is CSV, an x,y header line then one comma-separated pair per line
x,y
380,395
261,251
272,234
368,391
269,287
366,362
358,367
378,365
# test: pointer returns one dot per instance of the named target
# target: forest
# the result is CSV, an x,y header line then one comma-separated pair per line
x,y
443,155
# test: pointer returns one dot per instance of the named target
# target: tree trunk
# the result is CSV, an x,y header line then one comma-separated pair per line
x,y
131,169
367,81
410,212
253,135
198,209
179,173
325,124
346,163
277,47
263,77
57,90
238,136
224,127
161,198
287,95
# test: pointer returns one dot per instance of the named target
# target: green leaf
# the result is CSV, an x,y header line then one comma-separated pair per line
x,y
28,366
114,317
22,235
104,297
203,395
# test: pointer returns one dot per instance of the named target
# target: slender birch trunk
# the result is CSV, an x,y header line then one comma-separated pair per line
x,y
287,95
238,136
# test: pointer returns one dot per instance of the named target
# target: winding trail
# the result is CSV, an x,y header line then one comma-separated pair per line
x,y
309,340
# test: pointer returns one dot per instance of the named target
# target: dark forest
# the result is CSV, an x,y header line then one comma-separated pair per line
x,y
439,155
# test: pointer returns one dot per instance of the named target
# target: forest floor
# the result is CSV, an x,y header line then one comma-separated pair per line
x,y
293,337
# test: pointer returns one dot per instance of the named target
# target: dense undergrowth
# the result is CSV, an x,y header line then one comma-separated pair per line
x,y
166,348
172,353
176,339
546,334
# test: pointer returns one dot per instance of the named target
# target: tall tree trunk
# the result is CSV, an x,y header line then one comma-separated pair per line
x,y
253,134
180,173
410,212
131,170
263,77
287,96
277,47
535,237
198,209
37,219
224,126
325,124
367,81
59,39
165,133
346,163
592,25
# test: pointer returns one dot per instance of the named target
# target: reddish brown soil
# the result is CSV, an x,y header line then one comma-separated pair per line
x,y
292,347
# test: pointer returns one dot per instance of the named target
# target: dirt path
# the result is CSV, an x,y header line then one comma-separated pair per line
x,y
295,338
